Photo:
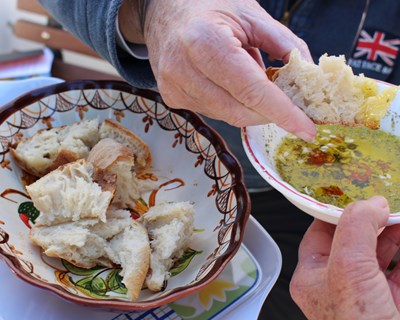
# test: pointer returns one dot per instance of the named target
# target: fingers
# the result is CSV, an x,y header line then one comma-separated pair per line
x,y
202,95
230,67
220,41
256,55
273,37
359,225
388,245
353,257
205,97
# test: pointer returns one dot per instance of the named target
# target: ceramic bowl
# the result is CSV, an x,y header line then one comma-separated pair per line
x,y
261,142
190,163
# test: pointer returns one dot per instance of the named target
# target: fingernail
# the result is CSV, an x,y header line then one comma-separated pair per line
x,y
379,202
306,136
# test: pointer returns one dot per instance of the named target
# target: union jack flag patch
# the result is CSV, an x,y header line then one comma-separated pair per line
x,y
376,51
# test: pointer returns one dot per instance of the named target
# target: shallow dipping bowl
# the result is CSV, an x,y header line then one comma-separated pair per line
x,y
261,142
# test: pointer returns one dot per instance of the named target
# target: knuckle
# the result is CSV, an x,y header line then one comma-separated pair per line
x,y
340,263
236,117
168,95
202,41
196,34
285,120
168,100
252,95
353,213
302,44
295,289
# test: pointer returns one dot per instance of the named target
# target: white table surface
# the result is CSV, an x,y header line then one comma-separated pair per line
x,y
22,301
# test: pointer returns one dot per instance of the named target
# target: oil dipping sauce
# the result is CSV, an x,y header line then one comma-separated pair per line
x,y
342,165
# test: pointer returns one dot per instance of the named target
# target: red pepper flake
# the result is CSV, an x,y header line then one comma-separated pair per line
x,y
317,157
363,173
332,190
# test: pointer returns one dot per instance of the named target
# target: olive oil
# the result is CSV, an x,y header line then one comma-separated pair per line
x,y
342,165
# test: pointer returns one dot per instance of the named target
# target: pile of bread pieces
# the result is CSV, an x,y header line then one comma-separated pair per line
x,y
87,182
330,93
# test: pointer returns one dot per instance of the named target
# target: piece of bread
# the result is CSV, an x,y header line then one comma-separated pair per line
x,y
131,250
330,93
114,158
170,228
114,130
70,193
90,242
84,243
48,149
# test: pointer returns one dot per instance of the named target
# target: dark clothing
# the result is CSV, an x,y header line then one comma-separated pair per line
x,y
286,224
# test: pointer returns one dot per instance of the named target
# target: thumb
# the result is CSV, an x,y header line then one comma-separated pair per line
x,y
359,225
355,240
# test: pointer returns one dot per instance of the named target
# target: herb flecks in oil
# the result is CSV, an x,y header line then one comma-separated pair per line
x,y
342,165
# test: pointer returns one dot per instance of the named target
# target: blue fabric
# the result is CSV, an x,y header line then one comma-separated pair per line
x,y
94,22
326,25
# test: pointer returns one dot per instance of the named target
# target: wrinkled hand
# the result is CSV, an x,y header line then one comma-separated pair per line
x,y
340,274
205,56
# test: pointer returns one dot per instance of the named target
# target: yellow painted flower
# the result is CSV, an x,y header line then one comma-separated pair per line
x,y
215,291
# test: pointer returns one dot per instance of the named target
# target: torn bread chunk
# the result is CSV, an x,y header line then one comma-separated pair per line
x,y
114,130
83,243
70,193
114,158
330,93
131,250
50,148
170,228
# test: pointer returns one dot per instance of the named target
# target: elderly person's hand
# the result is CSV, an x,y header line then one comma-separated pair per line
x,y
205,57
341,271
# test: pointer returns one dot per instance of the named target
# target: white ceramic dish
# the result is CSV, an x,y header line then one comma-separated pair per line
x,y
191,162
260,143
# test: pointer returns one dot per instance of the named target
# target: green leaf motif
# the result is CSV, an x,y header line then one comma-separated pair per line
x,y
84,283
80,271
114,281
29,209
98,286
94,282
183,262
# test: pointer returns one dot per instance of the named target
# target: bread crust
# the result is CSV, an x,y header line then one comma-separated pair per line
x,y
107,151
46,150
114,130
330,93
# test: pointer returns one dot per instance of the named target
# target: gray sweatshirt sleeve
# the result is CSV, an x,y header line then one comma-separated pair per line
x,y
94,22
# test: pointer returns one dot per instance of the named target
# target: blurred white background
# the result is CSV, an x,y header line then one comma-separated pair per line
x,y
8,42
7,15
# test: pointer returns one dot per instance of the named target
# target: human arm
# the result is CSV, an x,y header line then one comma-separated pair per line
x,y
341,270
94,22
